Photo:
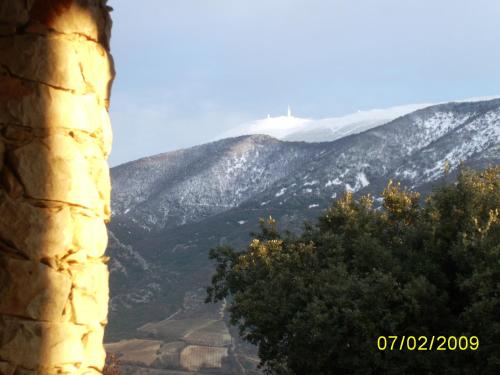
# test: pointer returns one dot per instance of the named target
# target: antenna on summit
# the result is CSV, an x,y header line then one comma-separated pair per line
x,y
289,111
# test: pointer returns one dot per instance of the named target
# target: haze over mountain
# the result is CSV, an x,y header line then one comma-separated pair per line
x,y
170,209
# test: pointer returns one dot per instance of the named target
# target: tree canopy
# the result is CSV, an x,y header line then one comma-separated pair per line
x,y
315,303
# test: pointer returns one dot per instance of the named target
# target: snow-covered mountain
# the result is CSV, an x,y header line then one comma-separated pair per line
x,y
179,187
170,209
291,128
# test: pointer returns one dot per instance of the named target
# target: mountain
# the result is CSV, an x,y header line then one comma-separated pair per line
x,y
170,209
290,128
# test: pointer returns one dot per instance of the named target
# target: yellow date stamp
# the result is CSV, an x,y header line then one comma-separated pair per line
x,y
426,343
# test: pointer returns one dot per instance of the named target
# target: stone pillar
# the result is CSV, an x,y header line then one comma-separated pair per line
x,y
55,137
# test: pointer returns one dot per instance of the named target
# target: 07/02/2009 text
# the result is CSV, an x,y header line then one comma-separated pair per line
x,y
424,343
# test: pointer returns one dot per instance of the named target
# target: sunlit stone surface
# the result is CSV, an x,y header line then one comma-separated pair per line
x,y
55,136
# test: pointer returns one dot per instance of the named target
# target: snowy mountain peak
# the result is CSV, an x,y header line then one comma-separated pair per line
x,y
291,128
278,127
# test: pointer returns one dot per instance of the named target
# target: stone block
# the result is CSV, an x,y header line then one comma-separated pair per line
x,y
54,169
13,89
83,17
10,183
55,232
39,345
37,232
32,290
14,12
90,235
7,368
90,293
17,136
95,355
39,106
79,65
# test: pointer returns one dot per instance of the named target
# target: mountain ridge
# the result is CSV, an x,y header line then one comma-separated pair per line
x,y
227,163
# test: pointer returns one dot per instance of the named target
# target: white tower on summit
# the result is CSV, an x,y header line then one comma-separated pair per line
x,y
289,111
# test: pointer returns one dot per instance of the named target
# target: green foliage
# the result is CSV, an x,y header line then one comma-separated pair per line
x,y
316,303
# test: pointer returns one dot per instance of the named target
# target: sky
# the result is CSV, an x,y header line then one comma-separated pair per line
x,y
188,70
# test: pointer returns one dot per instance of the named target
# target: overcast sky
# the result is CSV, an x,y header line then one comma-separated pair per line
x,y
188,70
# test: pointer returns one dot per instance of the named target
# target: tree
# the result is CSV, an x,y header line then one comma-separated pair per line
x,y
315,303
55,136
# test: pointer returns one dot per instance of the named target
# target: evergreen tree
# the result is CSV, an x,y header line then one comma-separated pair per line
x,y
316,303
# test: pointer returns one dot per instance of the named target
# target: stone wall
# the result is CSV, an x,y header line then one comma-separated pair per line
x,y
55,137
